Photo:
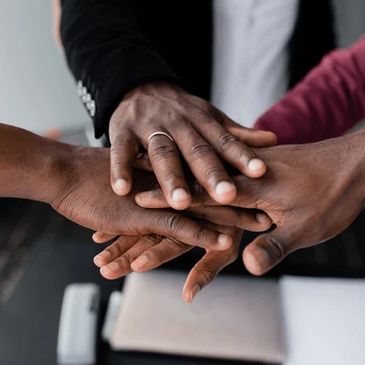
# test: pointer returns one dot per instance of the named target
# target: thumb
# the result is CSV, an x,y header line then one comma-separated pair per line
x,y
266,251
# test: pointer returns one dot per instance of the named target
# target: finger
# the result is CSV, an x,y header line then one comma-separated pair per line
x,y
101,237
154,199
121,265
142,162
250,193
124,148
229,146
251,136
156,256
183,229
246,219
165,161
207,269
204,163
266,251
116,249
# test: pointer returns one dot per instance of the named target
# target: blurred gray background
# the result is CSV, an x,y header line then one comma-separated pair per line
x,y
36,90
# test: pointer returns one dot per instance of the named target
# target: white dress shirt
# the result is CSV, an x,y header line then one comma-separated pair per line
x,y
250,55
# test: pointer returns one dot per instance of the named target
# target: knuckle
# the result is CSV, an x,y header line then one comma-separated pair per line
x,y
124,260
122,151
115,250
208,273
119,143
200,149
202,116
151,240
231,144
207,120
155,259
162,152
173,177
174,223
116,160
200,234
227,141
213,173
173,245
276,247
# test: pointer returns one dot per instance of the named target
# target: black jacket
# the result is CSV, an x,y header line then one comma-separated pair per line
x,y
112,46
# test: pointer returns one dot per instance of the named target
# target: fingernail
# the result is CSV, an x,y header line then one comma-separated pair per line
x,y
255,164
120,186
110,268
224,241
179,195
194,292
224,187
139,198
258,261
102,257
95,236
263,218
139,262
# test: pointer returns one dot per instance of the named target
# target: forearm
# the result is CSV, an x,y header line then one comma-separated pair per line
x,y
30,165
328,102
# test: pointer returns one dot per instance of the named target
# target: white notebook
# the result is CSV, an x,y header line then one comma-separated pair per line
x,y
220,323
295,321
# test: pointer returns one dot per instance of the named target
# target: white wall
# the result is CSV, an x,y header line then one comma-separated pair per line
x,y
36,90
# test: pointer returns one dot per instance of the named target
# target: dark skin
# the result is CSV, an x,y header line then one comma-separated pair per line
x,y
311,192
203,137
75,181
141,254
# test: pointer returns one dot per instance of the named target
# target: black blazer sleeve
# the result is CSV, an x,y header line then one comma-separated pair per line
x,y
107,55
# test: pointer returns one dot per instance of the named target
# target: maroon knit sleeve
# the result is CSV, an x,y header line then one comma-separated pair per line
x,y
328,102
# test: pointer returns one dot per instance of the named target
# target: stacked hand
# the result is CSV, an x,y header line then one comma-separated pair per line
x,y
86,197
311,193
299,190
144,253
167,122
156,126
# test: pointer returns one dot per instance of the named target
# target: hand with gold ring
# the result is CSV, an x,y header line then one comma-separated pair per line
x,y
173,128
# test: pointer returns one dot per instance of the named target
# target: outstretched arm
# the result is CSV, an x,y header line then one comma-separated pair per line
x,y
75,181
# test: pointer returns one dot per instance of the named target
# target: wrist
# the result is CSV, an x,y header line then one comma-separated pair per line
x,y
58,171
31,167
155,88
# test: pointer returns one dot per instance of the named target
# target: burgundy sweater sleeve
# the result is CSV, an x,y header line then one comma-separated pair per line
x,y
328,102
